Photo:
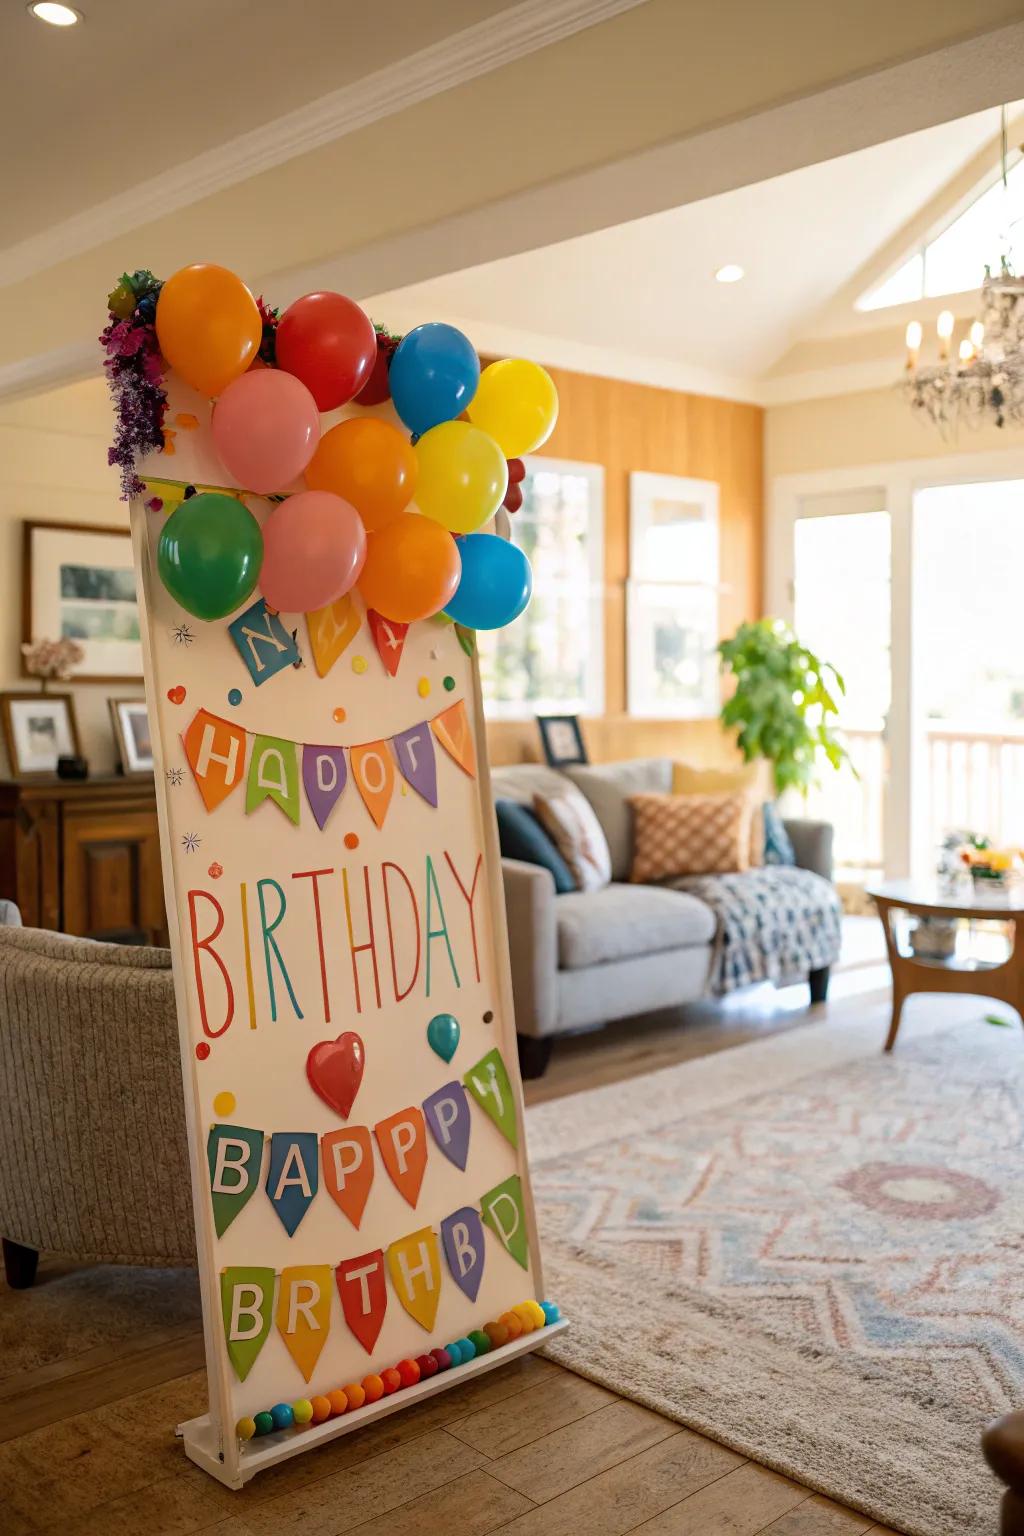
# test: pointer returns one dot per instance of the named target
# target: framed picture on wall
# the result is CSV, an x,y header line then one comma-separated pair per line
x,y
78,582
38,728
132,734
562,740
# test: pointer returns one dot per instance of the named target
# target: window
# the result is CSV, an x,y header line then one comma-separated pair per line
x,y
672,597
955,261
551,660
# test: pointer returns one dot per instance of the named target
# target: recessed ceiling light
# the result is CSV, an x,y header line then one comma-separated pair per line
x,y
56,15
730,273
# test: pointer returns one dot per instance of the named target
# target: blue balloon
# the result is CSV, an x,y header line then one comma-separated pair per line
x,y
433,377
496,583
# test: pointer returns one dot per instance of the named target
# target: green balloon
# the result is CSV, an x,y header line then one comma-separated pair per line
x,y
210,554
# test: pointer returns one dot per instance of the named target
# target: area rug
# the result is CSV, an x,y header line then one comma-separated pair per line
x,y
808,1250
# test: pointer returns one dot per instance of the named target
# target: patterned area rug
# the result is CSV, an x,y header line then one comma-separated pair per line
x,y
808,1250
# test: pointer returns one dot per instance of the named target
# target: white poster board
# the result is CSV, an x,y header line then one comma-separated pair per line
x,y
288,937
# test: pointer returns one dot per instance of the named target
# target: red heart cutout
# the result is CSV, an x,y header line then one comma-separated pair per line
x,y
176,695
335,1070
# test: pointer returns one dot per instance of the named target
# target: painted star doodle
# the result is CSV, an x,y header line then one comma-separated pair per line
x,y
175,777
190,842
182,634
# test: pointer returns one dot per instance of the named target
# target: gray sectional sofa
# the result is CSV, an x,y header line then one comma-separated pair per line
x,y
582,959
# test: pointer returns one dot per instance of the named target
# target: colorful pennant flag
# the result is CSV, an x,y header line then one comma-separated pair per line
x,y
347,1158
293,1177
502,1210
263,643
364,1295
488,1083
403,1147
415,1271
234,1153
414,751
388,637
447,1113
331,629
462,1237
247,1303
324,776
451,727
215,750
304,1312
274,775
374,773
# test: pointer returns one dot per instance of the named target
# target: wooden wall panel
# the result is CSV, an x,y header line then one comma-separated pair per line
x,y
628,427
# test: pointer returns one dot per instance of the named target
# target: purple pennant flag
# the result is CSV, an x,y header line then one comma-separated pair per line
x,y
447,1114
462,1235
414,750
323,776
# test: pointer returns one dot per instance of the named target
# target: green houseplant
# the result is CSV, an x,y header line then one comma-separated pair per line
x,y
784,703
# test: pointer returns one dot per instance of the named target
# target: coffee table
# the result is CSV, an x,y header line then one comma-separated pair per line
x,y
1001,979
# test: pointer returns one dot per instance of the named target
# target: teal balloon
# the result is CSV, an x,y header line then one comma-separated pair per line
x,y
433,376
443,1034
496,583
209,555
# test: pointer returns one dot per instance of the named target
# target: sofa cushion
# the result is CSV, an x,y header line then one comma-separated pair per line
x,y
750,777
521,836
521,781
608,786
690,835
622,922
570,822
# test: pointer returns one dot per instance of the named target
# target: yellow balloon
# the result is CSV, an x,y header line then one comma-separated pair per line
x,y
462,476
517,403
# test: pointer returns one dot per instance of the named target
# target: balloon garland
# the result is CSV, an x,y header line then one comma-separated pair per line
x,y
363,505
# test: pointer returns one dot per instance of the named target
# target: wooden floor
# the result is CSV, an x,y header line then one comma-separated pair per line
x,y
531,1449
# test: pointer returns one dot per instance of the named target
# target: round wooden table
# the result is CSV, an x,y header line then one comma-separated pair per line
x,y
1002,979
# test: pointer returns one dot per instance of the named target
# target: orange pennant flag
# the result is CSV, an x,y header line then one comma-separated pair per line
x,y
348,1169
215,749
304,1312
415,1270
388,637
374,772
452,729
403,1146
330,630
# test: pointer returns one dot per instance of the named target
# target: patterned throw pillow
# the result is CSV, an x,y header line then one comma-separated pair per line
x,y
568,819
690,835
778,846
753,778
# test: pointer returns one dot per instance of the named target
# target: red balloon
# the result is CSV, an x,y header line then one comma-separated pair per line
x,y
513,498
329,343
516,471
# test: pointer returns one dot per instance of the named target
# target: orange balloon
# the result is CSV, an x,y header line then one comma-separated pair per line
x,y
370,464
412,569
208,326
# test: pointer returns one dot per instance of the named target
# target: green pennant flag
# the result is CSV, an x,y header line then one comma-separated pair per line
x,y
488,1083
274,775
235,1155
502,1210
247,1302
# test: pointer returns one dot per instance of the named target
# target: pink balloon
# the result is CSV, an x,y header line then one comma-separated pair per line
x,y
314,545
266,428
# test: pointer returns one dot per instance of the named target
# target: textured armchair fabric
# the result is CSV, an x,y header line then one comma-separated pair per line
x,y
812,845
532,945
93,1150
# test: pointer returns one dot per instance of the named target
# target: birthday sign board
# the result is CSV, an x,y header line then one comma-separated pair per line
x,y
363,1213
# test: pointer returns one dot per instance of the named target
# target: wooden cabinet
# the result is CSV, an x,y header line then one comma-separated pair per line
x,y
84,858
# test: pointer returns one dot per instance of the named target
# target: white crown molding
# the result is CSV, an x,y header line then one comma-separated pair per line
x,y
477,50
50,370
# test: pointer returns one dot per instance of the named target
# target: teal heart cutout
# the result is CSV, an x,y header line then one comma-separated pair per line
x,y
443,1034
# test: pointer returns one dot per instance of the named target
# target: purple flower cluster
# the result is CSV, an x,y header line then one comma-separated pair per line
x,y
135,372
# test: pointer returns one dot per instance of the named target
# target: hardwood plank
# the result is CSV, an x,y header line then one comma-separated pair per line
x,y
581,1450
173,1506
506,1426
818,1516
742,1503
613,1502
471,1506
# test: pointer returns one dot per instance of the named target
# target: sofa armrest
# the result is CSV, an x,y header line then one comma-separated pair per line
x,y
533,952
812,844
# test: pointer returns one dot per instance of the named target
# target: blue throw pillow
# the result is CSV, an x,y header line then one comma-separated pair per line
x,y
777,846
521,836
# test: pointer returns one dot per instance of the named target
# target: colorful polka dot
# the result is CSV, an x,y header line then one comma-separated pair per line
x,y
423,687
235,696
488,1017
351,840
340,715
359,663
449,684
224,1104
202,1050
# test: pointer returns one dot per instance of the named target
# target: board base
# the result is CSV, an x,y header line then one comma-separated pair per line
x,y
203,1443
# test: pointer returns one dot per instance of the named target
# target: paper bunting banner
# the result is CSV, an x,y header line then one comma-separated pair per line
x,y
415,1271
274,775
403,1147
304,1312
462,1237
234,1154
374,774
331,629
447,1114
247,1303
293,1176
388,637
215,750
263,643
502,1210
488,1083
347,1158
451,727
324,776
364,1295
414,752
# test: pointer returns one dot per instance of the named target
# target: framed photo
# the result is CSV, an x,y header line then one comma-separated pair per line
x,y
562,740
78,581
38,728
132,734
